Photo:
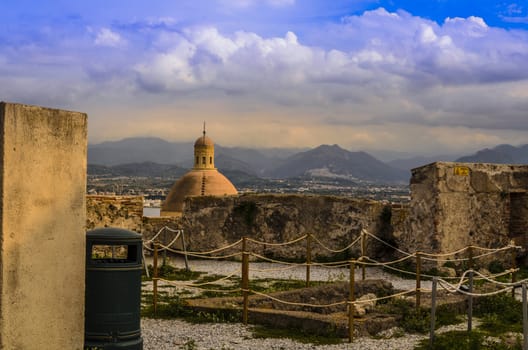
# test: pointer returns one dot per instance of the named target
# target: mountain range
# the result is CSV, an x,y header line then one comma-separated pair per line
x,y
502,154
157,157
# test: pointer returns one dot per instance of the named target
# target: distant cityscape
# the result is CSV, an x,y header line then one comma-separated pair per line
x,y
155,189
154,180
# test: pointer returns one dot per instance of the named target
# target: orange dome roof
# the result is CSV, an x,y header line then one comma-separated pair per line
x,y
208,182
203,141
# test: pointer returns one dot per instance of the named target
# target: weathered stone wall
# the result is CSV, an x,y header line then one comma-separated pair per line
x,y
114,211
153,224
213,222
454,205
42,230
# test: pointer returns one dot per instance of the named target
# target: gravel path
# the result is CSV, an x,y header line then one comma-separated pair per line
x,y
283,271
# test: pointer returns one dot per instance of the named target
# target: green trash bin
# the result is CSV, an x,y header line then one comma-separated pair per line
x,y
113,290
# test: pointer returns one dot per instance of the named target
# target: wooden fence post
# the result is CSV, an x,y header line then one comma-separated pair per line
x,y
245,281
433,312
470,257
513,267
155,279
184,251
418,280
308,257
525,317
351,299
165,246
363,253
470,302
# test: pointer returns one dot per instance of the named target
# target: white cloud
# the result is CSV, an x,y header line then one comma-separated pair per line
x,y
369,76
386,67
106,37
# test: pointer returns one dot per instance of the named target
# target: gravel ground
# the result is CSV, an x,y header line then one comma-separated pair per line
x,y
177,334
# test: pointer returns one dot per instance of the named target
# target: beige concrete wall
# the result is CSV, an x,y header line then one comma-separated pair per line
x,y
42,231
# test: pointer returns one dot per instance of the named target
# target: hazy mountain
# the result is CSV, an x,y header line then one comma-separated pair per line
x,y
144,169
414,162
502,154
334,161
150,149
323,161
139,149
226,162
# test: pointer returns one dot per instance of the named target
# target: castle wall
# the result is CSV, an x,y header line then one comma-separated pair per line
x,y
42,231
454,205
213,222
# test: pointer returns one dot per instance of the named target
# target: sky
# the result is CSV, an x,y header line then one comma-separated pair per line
x,y
416,77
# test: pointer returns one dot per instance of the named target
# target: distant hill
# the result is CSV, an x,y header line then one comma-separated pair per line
x,y
334,161
160,155
156,150
143,169
502,154
414,162
139,149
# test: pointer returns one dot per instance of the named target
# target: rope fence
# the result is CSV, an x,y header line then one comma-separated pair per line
x,y
458,287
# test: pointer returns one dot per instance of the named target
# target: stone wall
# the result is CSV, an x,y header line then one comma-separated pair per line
x,y
42,229
454,205
213,222
114,211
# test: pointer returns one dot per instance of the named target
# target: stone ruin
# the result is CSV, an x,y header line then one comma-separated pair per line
x,y
454,205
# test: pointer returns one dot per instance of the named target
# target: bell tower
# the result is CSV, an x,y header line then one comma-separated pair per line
x,y
204,152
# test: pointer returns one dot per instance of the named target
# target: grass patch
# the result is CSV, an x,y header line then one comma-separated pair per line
x,y
462,340
419,321
297,335
500,313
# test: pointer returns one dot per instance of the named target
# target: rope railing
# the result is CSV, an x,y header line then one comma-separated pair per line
x,y
164,228
386,243
263,258
354,242
210,252
224,278
362,261
220,291
277,244
351,302
291,303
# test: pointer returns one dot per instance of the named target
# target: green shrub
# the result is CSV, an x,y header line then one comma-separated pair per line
x,y
495,267
499,311
462,340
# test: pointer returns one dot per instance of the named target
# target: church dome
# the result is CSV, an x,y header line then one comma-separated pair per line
x,y
196,183
203,180
204,141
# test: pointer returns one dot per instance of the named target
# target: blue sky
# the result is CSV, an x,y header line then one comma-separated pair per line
x,y
420,77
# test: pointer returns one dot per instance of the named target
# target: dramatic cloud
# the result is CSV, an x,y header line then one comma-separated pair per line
x,y
367,79
423,72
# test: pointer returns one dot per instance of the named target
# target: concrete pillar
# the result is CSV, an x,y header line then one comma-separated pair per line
x,y
42,227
